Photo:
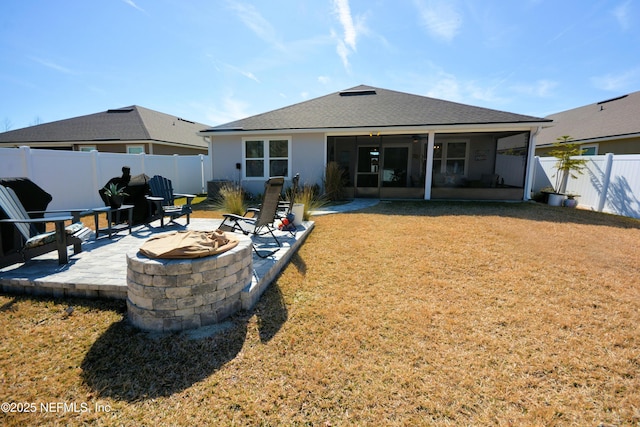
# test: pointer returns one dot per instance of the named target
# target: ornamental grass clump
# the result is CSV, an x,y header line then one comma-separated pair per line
x,y
231,199
310,197
334,182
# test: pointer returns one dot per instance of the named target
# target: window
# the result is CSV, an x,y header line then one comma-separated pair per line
x,y
264,158
135,149
86,148
450,158
449,163
589,150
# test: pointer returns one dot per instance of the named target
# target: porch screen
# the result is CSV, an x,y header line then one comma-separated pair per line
x,y
394,171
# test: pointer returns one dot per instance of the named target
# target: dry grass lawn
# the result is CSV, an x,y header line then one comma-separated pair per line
x,y
403,314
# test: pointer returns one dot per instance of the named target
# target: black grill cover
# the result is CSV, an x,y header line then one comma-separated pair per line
x,y
137,187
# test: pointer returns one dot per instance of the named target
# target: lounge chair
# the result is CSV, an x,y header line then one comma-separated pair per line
x,y
262,223
285,206
33,243
162,201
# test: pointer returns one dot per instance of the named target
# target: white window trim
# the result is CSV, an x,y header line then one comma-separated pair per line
x,y
140,146
587,146
266,158
87,148
445,154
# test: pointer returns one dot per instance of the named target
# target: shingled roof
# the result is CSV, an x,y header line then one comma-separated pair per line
x,y
615,117
132,123
366,106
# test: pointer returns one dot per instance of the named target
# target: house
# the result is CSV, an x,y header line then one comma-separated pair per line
x,y
610,126
131,129
389,144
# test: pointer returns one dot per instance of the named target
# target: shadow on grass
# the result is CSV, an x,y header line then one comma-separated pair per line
x,y
523,210
271,312
131,365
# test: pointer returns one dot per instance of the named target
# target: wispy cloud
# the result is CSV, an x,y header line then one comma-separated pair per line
x,y
247,74
52,65
440,18
540,89
225,111
346,44
436,82
344,14
250,17
220,66
618,82
623,14
133,5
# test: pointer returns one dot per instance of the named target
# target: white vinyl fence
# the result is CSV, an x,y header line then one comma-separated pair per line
x,y
610,183
73,178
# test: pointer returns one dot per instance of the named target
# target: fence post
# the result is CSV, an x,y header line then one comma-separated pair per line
x,y
143,163
606,180
201,173
27,162
97,173
176,173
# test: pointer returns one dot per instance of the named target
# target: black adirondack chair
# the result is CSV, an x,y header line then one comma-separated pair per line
x,y
34,243
162,201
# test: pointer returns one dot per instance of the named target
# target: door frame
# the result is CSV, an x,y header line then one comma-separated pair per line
x,y
367,191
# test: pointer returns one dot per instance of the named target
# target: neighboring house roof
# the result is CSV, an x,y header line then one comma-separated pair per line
x,y
366,106
617,117
132,123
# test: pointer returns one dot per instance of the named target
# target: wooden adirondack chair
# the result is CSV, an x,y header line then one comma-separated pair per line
x,y
162,201
32,242
262,223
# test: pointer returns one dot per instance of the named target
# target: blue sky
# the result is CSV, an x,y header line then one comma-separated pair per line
x,y
214,61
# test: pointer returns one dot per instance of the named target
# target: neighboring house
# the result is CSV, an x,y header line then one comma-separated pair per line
x,y
610,126
390,145
123,130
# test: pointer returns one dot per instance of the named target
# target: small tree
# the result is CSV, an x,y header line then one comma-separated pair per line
x,y
566,166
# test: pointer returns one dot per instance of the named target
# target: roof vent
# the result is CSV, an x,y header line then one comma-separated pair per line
x,y
120,110
358,92
612,99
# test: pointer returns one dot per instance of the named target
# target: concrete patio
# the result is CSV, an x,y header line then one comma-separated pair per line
x,y
100,270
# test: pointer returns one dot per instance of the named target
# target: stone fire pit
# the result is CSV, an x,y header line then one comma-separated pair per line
x,y
177,294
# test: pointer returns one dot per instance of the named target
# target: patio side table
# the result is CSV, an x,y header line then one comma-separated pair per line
x,y
111,227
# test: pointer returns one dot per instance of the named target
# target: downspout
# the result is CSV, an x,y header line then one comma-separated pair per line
x,y
528,175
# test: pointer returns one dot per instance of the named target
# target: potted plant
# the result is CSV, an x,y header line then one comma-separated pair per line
x,y
567,166
114,194
570,201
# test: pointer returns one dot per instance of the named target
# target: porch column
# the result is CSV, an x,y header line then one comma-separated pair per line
x,y
429,166
529,171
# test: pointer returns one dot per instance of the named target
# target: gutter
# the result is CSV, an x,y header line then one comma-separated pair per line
x,y
383,130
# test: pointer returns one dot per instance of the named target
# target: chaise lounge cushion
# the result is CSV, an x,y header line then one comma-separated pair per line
x,y
45,238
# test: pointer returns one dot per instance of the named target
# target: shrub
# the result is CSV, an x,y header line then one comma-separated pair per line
x,y
334,182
